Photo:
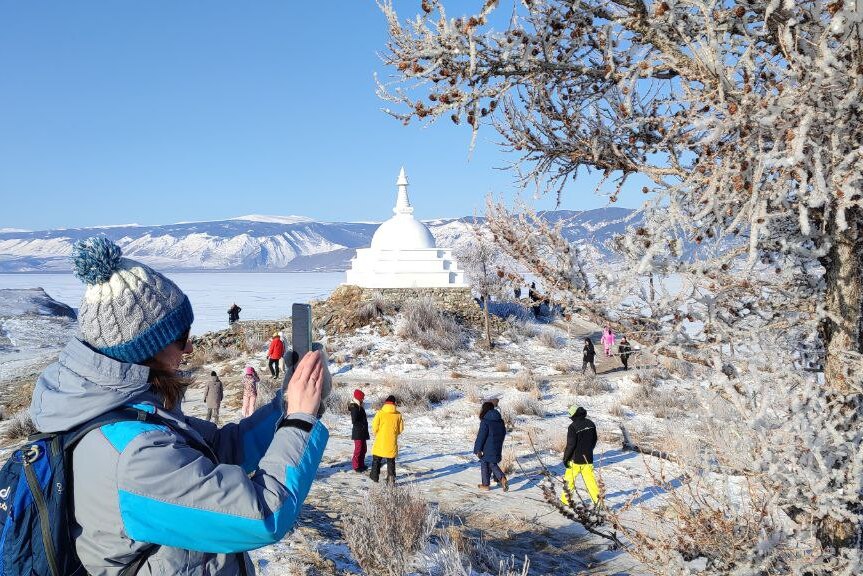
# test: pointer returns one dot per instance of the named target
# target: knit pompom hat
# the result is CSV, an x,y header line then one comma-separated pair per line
x,y
129,311
358,395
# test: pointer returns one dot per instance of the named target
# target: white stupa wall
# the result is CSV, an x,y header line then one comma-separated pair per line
x,y
403,254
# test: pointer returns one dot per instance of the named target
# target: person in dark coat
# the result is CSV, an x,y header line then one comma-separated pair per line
x,y
489,446
624,349
588,354
535,300
578,455
359,431
233,313
213,394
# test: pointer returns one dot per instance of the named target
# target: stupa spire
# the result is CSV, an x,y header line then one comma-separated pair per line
x,y
403,203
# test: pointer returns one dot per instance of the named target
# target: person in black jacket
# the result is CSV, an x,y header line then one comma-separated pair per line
x,y
359,431
588,354
578,456
624,349
489,446
233,313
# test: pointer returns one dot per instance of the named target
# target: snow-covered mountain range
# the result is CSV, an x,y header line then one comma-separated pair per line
x,y
257,243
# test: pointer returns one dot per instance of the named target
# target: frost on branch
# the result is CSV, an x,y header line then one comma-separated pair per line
x,y
747,118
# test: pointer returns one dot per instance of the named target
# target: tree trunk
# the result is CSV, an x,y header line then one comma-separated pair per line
x,y
487,326
842,330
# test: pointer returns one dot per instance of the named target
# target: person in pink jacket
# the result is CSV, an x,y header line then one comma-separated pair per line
x,y
607,339
250,391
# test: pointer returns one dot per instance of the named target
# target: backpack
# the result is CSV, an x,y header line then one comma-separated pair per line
x,y
36,503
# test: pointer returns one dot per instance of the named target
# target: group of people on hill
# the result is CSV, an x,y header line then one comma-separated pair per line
x,y
624,349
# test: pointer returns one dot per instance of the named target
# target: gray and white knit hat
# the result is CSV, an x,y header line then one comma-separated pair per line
x,y
129,311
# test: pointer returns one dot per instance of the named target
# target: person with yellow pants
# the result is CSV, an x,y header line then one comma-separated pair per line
x,y
578,456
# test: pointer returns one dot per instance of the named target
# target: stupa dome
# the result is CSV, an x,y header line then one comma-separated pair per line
x,y
403,231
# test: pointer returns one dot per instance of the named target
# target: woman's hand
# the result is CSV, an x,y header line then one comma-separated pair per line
x,y
304,389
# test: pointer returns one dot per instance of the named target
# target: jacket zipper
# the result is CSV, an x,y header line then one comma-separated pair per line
x,y
44,521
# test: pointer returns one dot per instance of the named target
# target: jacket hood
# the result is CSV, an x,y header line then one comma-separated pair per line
x,y
580,413
83,384
389,409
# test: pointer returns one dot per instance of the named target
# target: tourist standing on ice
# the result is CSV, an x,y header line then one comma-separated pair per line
x,y
607,339
359,431
578,456
213,394
274,355
588,354
250,391
387,425
624,349
233,313
166,493
488,446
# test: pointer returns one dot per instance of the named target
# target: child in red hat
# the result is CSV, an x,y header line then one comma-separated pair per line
x,y
359,431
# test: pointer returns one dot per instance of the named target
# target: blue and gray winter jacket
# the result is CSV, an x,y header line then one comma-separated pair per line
x,y
489,438
142,483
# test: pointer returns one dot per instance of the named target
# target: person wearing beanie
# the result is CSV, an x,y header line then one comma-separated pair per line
x,y
213,394
274,355
250,391
387,425
578,455
359,431
162,491
488,446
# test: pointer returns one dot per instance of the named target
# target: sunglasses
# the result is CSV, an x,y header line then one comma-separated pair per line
x,y
183,340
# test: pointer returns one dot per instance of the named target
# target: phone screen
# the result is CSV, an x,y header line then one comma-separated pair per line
x,y
301,328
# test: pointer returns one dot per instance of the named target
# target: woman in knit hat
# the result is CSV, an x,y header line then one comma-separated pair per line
x,y
359,430
250,391
167,493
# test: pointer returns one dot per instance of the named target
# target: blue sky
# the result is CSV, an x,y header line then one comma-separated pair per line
x,y
162,111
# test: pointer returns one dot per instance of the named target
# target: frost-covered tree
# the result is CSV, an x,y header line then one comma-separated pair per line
x,y
747,119
484,271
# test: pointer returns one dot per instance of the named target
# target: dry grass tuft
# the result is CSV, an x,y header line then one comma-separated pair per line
x,y
564,368
418,394
455,375
361,350
424,323
508,461
388,527
339,399
591,386
551,340
267,389
501,367
527,405
19,428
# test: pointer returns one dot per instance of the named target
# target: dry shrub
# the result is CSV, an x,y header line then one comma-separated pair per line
x,y
417,394
662,403
455,375
472,393
267,388
526,381
508,418
425,361
564,368
387,527
339,399
501,367
554,441
361,349
517,331
591,386
255,340
458,554
19,428
617,410
528,406
424,323
508,461
551,340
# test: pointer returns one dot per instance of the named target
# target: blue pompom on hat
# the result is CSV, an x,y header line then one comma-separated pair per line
x,y
129,311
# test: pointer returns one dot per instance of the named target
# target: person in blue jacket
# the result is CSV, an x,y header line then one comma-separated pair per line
x,y
170,494
489,446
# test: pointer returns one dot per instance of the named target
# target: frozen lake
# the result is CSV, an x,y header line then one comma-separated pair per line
x,y
261,295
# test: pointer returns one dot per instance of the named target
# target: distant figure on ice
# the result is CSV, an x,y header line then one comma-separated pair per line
x,y
578,456
624,349
233,313
535,300
359,431
588,354
213,394
607,339
387,425
489,446
274,355
250,391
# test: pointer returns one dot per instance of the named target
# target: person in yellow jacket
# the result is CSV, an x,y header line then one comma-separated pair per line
x,y
387,425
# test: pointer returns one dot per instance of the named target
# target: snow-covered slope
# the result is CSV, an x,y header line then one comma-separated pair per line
x,y
258,242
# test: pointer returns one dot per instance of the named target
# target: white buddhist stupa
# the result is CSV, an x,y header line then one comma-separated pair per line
x,y
403,253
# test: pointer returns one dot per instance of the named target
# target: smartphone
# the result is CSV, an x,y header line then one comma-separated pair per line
x,y
301,328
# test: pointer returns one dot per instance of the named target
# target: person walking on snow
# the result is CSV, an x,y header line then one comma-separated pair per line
x,y
213,394
166,493
578,456
359,431
624,349
282,362
488,446
588,354
250,391
387,425
274,355
607,339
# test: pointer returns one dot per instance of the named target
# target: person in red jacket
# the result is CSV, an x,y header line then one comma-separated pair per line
x,y
274,354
